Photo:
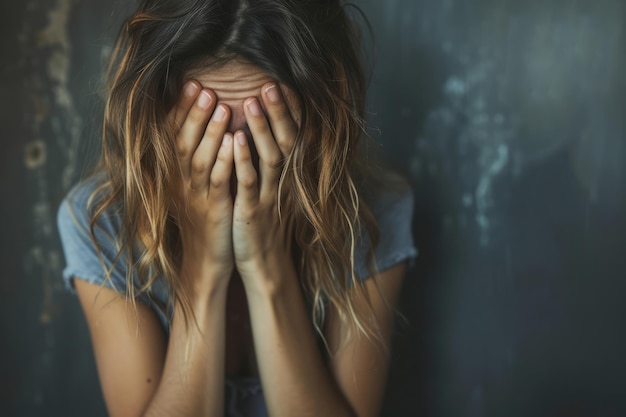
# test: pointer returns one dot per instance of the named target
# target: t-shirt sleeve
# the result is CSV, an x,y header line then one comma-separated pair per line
x,y
394,212
81,255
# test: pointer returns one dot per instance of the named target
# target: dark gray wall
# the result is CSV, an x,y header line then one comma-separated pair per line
x,y
508,116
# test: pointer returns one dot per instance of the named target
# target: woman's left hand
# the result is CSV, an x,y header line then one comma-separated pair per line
x,y
259,239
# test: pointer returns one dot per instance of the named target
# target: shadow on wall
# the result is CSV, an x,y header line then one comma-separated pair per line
x,y
509,118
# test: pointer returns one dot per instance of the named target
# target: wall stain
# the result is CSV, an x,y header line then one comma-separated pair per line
x,y
35,154
468,126
55,126
55,39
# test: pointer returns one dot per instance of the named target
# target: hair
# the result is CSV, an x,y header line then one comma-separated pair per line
x,y
312,47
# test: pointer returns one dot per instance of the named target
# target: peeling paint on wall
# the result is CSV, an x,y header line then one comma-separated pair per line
x,y
55,39
468,126
56,125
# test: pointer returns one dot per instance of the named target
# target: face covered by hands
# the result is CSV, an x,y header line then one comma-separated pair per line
x,y
232,142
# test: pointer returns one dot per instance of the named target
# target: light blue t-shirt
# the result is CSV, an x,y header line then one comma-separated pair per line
x,y
392,210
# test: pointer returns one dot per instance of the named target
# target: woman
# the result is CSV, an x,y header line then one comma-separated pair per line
x,y
226,251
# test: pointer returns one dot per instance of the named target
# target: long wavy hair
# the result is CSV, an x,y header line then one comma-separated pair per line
x,y
312,47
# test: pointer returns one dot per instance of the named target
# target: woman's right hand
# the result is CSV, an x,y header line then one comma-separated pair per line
x,y
203,205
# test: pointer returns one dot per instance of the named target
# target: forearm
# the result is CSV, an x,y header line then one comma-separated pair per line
x,y
192,383
295,379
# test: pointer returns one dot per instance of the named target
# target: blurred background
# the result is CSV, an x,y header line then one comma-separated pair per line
x,y
509,118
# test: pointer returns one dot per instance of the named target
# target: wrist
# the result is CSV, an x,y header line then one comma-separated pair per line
x,y
269,276
200,310
203,281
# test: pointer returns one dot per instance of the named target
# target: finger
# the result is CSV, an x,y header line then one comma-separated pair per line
x,y
247,185
284,127
190,92
270,156
193,128
205,154
219,189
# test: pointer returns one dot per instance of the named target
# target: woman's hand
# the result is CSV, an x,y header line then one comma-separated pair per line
x,y
259,239
203,203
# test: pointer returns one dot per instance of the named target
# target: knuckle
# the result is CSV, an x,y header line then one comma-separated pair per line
x,y
182,148
275,162
222,156
244,157
217,181
263,128
248,181
281,114
215,129
199,165
196,115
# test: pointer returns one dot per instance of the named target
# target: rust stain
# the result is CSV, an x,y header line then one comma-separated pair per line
x,y
35,154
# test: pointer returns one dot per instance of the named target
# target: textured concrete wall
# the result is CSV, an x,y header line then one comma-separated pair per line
x,y
51,54
509,118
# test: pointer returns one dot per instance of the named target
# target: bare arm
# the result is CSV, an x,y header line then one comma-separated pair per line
x,y
360,366
129,350
141,373
139,378
295,378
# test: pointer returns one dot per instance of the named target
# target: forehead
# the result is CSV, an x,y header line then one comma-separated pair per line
x,y
233,81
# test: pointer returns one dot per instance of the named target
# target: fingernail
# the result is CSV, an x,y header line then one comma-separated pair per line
x,y
241,138
272,93
219,114
191,88
253,106
226,140
204,100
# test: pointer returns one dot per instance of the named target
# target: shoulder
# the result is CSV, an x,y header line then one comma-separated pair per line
x,y
391,201
88,255
76,211
391,195
81,204
99,258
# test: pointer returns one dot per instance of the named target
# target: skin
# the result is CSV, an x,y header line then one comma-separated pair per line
x,y
222,234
